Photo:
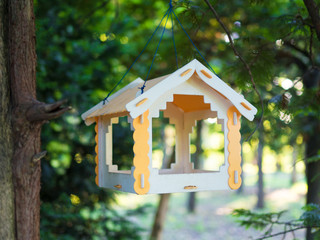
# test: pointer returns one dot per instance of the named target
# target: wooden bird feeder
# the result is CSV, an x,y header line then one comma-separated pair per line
x,y
189,94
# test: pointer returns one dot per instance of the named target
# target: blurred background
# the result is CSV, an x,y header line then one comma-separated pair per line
x,y
85,47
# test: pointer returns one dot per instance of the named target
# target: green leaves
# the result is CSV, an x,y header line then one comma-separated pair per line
x,y
311,216
266,222
64,220
259,221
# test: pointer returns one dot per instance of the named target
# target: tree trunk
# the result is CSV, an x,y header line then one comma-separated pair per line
x,y
26,134
191,204
20,124
162,210
240,189
294,162
312,172
311,79
313,168
158,224
278,164
260,193
6,146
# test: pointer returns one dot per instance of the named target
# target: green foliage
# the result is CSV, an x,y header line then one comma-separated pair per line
x,y
267,222
311,215
77,63
65,220
259,221
85,47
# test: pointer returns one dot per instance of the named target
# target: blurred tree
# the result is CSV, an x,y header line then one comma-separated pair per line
x,y
260,188
168,158
191,203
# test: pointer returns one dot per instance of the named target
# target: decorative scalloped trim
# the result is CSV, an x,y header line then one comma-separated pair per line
x,y
97,150
234,148
141,159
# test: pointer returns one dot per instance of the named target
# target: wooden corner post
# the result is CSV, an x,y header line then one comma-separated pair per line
x,y
96,128
234,148
141,149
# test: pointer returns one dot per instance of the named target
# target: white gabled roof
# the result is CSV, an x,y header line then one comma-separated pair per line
x,y
125,100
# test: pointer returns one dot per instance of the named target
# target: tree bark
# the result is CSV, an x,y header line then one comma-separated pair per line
x,y
22,117
311,80
6,146
26,135
162,210
312,172
313,10
260,193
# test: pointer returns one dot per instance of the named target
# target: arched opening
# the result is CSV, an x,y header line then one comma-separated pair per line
x,y
174,148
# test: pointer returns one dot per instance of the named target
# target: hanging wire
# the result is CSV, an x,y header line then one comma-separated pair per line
x,y
174,43
155,53
168,13
106,98
194,44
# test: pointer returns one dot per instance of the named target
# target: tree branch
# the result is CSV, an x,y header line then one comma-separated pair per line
x,y
45,112
313,10
37,157
304,52
310,48
246,65
281,233
87,16
293,59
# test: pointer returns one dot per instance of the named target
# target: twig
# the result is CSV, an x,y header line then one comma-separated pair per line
x,y
281,233
199,23
46,111
313,10
246,65
87,16
285,230
293,235
304,52
37,157
310,47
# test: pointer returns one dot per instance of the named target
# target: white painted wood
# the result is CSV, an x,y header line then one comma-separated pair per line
x,y
170,183
142,180
130,121
155,88
109,175
116,102
102,130
192,79
100,105
236,179
219,85
182,153
152,94
234,118
168,83
112,179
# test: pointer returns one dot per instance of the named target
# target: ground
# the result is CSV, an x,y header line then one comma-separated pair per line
x,y
212,219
